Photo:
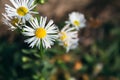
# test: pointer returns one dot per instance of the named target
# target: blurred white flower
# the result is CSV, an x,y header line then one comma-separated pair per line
x,y
41,33
77,19
12,22
72,78
68,37
22,9
98,67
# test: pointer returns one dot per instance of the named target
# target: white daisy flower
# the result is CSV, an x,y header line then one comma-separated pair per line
x,y
68,37
22,9
12,22
40,33
77,19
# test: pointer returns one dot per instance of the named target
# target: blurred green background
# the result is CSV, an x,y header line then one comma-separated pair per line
x,y
96,58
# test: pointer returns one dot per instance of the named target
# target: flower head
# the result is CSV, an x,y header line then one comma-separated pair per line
x,y
22,9
68,37
12,22
77,19
40,33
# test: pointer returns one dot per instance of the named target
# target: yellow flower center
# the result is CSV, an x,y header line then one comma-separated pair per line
x,y
40,33
63,36
14,21
76,23
22,11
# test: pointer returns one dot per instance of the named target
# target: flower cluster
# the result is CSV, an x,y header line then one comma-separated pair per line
x,y
39,32
69,34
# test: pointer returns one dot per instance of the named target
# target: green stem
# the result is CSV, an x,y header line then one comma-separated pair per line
x,y
41,51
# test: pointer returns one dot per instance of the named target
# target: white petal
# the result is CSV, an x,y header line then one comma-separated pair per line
x,y
33,43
